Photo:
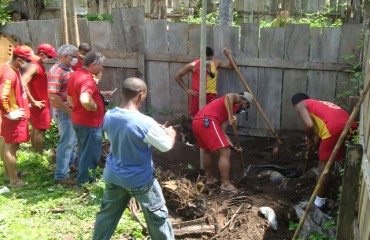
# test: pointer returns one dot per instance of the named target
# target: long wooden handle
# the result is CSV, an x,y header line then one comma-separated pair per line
x,y
235,131
233,64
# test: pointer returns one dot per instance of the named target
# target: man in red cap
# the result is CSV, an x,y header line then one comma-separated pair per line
x,y
14,110
36,85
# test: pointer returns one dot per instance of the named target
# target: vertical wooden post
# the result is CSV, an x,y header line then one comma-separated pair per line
x,y
64,22
349,192
75,25
202,83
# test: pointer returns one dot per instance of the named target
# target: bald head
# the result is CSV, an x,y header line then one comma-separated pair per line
x,y
133,86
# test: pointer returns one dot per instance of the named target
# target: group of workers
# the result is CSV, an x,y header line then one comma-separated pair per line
x,y
78,109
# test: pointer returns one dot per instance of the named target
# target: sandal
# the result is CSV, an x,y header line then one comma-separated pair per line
x,y
18,184
19,175
232,191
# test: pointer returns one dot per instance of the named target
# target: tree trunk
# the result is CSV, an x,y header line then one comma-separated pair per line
x,y
225,16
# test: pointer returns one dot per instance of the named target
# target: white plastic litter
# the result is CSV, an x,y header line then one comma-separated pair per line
x,y
270,216
4,190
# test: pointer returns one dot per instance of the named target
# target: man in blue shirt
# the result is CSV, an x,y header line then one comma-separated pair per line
x,y
129,168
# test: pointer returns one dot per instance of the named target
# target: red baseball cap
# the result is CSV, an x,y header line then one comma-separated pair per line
x,y
25,52
47,49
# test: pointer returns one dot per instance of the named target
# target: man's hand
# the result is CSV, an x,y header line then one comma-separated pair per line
x,y
39,104
15,115
226,51
232,121
192,92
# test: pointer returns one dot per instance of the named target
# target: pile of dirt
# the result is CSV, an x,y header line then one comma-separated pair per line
x,y
201,211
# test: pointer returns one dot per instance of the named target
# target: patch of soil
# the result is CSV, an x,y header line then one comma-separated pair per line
x,y
201,211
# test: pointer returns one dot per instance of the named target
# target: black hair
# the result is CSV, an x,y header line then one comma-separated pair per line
x,y
299,97
93,57
84,47
209,52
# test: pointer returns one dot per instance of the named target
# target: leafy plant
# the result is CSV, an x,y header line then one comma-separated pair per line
x,y
99,17
51,136
4,13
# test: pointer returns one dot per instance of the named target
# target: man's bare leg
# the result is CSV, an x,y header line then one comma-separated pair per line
x,y
37,139
2,146
207,163
224,168
10,162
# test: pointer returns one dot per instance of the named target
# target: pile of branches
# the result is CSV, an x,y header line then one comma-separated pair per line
x,y
186,198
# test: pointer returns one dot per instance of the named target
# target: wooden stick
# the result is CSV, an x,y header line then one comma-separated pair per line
x,y
235,133
232,62
331,158
232,218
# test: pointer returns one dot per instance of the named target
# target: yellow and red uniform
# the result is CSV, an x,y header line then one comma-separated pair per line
x,y
329,121
211,84
13,97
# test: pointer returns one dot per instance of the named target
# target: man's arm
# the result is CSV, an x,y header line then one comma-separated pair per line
x,y
224,65
230,100
57,101
190,67
26,78
88,102
161,138
306,120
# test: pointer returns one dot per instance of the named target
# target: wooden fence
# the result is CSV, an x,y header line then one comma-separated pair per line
x,y
254,11
276,62
364,198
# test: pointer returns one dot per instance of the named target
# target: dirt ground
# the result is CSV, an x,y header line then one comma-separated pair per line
x,y
200,211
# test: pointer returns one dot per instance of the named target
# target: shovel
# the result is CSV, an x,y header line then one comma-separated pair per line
x,y
237,139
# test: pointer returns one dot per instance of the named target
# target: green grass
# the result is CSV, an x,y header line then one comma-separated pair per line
x,y
45,210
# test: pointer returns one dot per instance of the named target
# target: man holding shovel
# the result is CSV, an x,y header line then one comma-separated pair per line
x,y
209,126
323,124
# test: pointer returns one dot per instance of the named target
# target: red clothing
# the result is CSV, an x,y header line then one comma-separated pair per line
x,y
58,76
39,84
212,137
210,82
82,81
78,65
329,122
328,118
194,103
13,97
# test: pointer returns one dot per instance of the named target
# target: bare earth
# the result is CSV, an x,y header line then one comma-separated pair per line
x,y
200,211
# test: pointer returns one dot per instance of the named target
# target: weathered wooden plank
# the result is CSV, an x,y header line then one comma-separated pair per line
x,y
41,31
57,23
249,48
157,73
118,30
349,193
133,28
270,80
83,30
98,29
120,63
296,48
20,29
226,37
177,44
194,39
324,48
349,46
312,6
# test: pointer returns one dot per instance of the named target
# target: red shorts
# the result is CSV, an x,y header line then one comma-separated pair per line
x,y
327,146
209,138
40,118
15,131
194,103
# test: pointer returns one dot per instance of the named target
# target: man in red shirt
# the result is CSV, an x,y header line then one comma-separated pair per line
x,y
83,49
323,124
212,66
209,126
36,85
87,114
14,109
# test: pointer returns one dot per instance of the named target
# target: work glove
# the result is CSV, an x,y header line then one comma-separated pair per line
x,y
15,115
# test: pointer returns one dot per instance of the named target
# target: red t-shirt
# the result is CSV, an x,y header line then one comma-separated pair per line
x,y
329,118
12,93
215,111
39,84
79,82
